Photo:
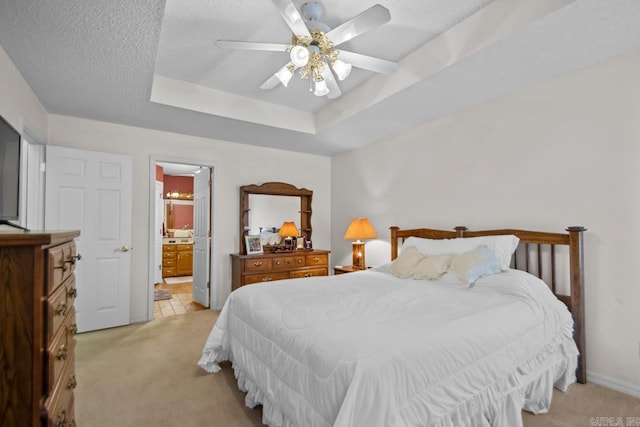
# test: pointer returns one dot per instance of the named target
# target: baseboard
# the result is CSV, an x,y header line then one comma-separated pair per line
x,y
630,389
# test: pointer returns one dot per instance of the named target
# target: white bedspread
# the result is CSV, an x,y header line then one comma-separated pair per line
x,y
368,349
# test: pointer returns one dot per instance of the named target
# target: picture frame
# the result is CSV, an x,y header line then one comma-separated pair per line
x,y
300,243
253,245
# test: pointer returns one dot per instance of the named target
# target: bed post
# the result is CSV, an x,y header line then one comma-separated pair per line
x,y
576,268
460,229
394,241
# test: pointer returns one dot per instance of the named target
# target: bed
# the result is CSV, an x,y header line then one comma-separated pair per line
x,y
455,346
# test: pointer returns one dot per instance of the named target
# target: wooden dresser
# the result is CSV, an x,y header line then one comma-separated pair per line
x,y
248,269
37,327
177,259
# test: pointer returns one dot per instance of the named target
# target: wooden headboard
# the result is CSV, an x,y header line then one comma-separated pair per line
x,y
534,244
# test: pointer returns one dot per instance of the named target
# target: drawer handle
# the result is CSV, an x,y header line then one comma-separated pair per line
x,y
277,262
299,261
266,279
257,263
75,258
72,292
63,350
316,259
61,421
308,275
62,309
73,383
73,329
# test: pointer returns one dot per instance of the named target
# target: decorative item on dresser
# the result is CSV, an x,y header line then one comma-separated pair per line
x,y
37,294
248,269
360,228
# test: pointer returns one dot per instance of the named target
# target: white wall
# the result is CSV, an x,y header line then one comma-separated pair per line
x,y
565,152
236,165
18,103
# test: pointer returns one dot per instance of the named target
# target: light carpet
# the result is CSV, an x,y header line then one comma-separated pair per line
x,y
146,375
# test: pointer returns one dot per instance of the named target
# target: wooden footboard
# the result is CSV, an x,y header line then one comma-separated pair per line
x,y
536,254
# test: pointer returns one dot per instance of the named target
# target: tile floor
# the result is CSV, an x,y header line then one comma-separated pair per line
x,y
181,303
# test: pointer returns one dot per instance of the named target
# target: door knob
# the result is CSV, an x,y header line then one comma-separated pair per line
x,y
124,249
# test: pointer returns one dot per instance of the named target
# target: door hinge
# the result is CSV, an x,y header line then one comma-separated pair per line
x,y
43,167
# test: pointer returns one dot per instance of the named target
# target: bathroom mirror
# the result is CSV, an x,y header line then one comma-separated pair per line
x,y
269,205
178,214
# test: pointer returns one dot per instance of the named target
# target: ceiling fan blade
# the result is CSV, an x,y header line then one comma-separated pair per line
x,y
273,81
332,84
368,62
272,47
292,17
360,24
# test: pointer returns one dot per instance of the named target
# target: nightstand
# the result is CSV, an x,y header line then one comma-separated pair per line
x,y
342,269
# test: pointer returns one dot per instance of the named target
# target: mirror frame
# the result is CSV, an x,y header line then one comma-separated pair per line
x,y
274,189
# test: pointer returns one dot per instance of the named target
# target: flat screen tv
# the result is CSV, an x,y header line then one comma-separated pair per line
x,y
9,173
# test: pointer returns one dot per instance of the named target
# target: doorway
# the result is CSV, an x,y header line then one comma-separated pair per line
x,y
180,241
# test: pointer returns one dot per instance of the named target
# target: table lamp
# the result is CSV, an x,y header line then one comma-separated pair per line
x,y
360,228
288,230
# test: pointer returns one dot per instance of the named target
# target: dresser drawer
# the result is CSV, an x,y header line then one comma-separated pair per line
x,y
257,265
59,305
61,262
169,255
185,248
266,277
318,259
287,263
169,262
60,351
309,273
59,405
169,272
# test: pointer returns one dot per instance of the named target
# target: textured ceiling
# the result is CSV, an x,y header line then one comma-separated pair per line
x,y
106,60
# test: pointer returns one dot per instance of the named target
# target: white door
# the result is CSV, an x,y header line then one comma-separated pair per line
x,y
157,235
201,235
91,191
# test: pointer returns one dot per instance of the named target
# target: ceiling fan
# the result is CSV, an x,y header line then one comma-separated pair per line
x,y
312,50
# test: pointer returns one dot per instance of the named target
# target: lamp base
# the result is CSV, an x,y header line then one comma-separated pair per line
x,y
358,256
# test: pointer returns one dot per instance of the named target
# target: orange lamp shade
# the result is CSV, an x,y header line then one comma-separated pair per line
x,y
288,229
360,228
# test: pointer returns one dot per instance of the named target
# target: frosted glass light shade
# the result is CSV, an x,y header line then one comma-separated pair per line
x,y
299,56
321,88
284,75
342,69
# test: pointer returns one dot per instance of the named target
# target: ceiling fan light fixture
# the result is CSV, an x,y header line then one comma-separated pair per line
x,y
284,74
341,68
299,56
321,88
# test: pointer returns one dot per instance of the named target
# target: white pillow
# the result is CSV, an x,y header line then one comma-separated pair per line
x,y
503,246
403,265
474,264
431,267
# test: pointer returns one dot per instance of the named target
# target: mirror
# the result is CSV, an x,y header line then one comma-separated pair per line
x,y
269,212
178,214
269,205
